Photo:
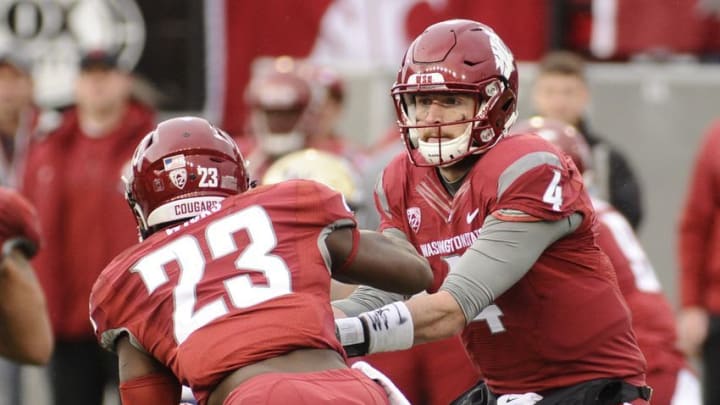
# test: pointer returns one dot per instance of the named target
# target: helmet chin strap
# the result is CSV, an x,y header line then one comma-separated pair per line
x,y
437,153
140,218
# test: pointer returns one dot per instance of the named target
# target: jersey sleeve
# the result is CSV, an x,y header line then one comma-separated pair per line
x,y
317,202
111,306
388,209
100,301
542,185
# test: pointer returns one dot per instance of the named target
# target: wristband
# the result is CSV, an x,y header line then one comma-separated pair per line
x,y
388,328
352,334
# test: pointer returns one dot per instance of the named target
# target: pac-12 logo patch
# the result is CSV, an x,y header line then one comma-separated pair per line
x,y
414,218
178,178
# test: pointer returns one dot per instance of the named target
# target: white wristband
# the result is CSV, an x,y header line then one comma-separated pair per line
x,y
349,331
389,328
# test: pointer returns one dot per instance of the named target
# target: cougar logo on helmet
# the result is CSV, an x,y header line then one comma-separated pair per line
x,y
159,189
503,57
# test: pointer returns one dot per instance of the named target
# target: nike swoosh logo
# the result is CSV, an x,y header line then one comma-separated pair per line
x,y
401,318
469,218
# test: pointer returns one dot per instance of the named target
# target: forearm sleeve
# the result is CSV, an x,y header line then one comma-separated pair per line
x,y
366,298
500,257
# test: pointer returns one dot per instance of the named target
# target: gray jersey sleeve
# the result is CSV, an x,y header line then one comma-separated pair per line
x,y
366,298
499,258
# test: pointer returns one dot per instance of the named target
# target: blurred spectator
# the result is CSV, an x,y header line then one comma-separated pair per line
x,y
18,116
323,132
653,319
73,177
282,105
294,105
561,92
699,254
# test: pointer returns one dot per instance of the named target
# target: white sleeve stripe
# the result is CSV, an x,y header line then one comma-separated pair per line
x,y
522,166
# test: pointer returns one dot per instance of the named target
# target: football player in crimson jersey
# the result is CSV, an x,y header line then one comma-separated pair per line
x,y
421,375
507,226
228,292
26,332
668,372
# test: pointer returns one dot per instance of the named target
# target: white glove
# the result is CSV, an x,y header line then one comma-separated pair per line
x,y
529,398
394,395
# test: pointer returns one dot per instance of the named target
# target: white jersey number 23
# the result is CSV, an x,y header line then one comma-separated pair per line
x,y
240,289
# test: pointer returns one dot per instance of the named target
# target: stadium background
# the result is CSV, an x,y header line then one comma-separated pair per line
x,y
654,74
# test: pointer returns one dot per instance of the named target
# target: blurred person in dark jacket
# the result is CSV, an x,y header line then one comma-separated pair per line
x,y
561,92
73,176
19,116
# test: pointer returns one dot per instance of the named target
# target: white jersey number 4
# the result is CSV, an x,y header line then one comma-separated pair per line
x,y
553,194
186,252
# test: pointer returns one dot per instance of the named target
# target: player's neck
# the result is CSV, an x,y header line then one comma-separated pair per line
x,y
452,176
457,171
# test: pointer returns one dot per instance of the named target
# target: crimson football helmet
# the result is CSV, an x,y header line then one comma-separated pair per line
x,y
282,100
564,136
463,57
184,167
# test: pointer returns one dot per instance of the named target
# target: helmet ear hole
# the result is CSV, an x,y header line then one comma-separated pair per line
x,y
509,103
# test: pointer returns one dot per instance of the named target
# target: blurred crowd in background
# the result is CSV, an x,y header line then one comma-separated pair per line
x,y
81,82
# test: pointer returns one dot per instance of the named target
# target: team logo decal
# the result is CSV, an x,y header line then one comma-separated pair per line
x,y
426,78
179,178
503,56
158,185
414,218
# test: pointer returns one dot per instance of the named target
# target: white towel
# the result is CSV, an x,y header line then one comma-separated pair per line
x,y
394,395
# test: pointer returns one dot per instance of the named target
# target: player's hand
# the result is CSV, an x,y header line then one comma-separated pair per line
x,y
692,330
19,224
